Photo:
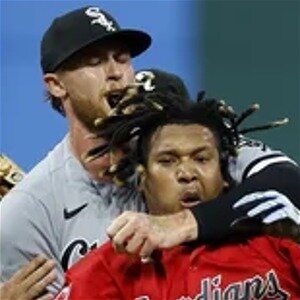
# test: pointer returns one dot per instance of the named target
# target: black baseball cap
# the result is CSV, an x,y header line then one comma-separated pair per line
x,y
157,80
79,28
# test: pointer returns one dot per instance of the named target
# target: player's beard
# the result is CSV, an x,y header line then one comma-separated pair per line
x,y
87,111
87,120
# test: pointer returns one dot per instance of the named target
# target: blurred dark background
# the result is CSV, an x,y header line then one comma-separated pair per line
x,y
252,54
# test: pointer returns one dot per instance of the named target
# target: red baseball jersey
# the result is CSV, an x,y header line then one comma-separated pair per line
x,y
260,268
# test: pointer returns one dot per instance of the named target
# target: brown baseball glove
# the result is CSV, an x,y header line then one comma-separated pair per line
x,y
10,174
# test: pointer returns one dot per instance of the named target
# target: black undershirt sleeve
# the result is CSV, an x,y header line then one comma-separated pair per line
x,y
214,218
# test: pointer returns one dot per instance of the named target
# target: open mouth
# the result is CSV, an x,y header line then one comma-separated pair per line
x,y
190,199
114,98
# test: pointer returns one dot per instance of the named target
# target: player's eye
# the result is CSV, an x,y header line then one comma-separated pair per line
x,y
93,60
167,160
201,158
123,57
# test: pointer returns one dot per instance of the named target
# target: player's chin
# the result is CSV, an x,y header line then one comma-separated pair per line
x,y
173,209
92,122
185,205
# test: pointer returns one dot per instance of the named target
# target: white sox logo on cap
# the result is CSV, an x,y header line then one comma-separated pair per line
x,y
99,18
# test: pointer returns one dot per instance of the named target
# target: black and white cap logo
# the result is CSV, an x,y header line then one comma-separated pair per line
x,y
99,18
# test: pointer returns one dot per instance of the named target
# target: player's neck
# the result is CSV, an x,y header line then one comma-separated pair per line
x,y
81,142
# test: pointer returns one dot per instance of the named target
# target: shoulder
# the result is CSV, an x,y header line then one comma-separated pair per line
x,y
253,157
46,177
281,252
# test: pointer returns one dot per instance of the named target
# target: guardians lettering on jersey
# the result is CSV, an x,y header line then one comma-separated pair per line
x,y
75,250
255,288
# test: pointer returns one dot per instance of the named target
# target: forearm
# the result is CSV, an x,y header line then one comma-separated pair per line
x,y
185,224
215,218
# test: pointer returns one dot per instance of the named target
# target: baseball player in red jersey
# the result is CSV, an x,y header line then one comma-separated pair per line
x,y
182,151
260,268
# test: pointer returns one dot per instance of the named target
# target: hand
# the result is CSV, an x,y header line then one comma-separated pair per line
x,y
140,233
271,205
30,281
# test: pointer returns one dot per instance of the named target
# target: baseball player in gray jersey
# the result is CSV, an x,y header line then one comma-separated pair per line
x,y
61,208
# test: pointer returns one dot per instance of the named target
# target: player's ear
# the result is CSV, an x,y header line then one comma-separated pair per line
x,y
226,185
140,170
55,85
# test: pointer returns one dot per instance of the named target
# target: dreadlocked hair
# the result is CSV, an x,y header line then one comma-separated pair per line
x,y
136,119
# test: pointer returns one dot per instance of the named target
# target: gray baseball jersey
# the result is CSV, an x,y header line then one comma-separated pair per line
x,y
59,211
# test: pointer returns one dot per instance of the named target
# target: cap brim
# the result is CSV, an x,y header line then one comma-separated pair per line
x,y
136,41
